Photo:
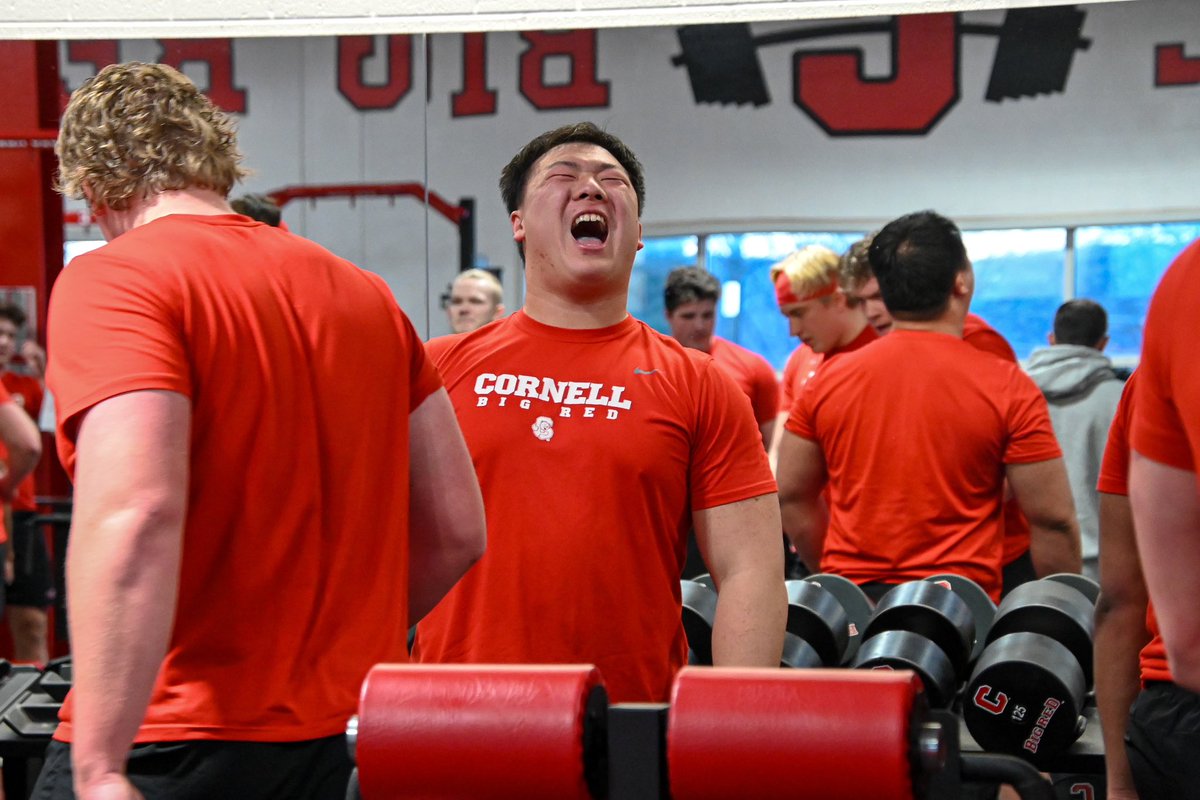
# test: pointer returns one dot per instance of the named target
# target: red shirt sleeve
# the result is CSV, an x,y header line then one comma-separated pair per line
x,y
111,330
1031,436
1114,467
728,461
766,392
1165,427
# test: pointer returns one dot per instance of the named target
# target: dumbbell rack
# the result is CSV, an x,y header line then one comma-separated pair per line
x,y
29,702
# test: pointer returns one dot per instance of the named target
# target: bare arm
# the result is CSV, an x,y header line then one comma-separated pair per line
x,y
131,482
774,441
1166,513
446,522
1042,491
741,545
767,429
801,477
1120,635
24,444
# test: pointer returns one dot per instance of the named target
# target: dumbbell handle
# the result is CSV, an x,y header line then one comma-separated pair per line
x,y
1021,775
844,28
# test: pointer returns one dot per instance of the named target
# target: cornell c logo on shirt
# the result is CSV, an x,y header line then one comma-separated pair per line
x,y
543,428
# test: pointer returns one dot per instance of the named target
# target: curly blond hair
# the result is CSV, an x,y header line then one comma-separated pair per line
x,y
135,130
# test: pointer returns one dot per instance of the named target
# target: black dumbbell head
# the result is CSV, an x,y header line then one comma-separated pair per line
x,y
1025,698
854,602
799,654
817,617
1086,586
1052,609
930,610
699,611
906,650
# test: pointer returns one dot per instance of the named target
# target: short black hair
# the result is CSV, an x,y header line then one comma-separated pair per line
x,y
916,258
1082,322
515,174
259,207
689,285
14,314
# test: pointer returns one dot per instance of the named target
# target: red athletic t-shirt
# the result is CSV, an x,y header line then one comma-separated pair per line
x,y
27,392
982,336
803,363
1167,426
592,447
752,374
301,370
916,431
1114,479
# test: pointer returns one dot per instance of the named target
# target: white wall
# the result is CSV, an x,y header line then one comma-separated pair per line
x,y
1111,147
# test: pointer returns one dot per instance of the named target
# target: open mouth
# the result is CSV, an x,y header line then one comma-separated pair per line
x,y
590,229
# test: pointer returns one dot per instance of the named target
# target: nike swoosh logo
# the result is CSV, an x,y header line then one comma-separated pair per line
x,y
637,371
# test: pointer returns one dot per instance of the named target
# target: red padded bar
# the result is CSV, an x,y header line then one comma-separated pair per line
x,y
472,731
768,733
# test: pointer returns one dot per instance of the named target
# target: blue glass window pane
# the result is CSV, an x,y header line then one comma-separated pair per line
x,y
654,262
746,258
1018,282
1118,266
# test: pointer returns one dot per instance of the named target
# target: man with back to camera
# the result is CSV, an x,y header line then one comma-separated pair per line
x,y
1083,392
476,298
240,554
1165,437
30,591
690,297
861,283
599,443
916,481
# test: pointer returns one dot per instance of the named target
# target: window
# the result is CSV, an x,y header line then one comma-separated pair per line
x,y
654,262
1119,266
1018,282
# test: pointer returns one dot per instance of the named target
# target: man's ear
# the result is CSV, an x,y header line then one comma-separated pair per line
x,y
518,226
1050,338
641,244
1103,343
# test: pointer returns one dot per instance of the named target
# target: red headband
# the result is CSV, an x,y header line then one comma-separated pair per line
x,y
785,296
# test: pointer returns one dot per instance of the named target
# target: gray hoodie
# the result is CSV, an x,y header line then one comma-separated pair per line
x,y
1082,391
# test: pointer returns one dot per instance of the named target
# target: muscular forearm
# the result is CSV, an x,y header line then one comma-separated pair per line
x,y
1054,547
804,522
751,616
1120,635
122,580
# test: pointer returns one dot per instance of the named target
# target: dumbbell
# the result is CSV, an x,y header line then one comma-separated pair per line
x,y
1026,693
983,610
817,627
926,627
854,602
699,612
1033,54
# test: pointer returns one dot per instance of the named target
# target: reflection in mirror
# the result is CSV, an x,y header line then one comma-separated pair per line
x,y
1003,120
332,128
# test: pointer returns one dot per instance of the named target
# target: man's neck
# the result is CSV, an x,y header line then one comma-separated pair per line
x,y
200,202
562,312
948,325
852,332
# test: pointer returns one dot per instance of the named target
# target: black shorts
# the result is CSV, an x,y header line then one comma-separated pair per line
x,y
33,584
1018,571
1162,741
317,769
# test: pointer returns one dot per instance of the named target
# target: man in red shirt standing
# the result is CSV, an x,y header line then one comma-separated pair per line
x,y
269,480
599,444
690,297
916,434
1163,488
20,449
861,283
826,318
